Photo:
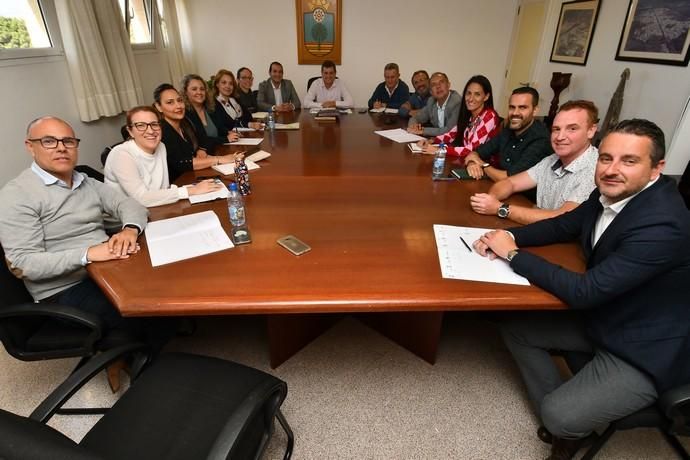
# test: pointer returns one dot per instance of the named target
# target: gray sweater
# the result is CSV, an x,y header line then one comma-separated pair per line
x,y
46,230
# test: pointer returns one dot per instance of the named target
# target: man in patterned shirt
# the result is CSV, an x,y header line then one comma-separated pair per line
x,y
563,180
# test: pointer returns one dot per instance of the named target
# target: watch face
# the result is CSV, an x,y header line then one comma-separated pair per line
x,y
503,211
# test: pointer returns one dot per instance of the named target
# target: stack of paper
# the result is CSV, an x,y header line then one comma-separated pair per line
x,y
294,125
221,193
461,262
246,141
229,168
260,115
257,156
185,237
399,135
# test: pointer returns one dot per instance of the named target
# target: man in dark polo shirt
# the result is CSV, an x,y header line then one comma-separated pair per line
x,y
520,145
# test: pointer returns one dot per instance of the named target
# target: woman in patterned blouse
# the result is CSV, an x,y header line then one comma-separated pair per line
x,y
478,121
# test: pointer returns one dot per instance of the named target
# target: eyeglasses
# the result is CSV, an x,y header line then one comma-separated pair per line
x,y
50,142
141,126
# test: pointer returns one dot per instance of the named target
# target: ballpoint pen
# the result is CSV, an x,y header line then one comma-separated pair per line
x,y
465,243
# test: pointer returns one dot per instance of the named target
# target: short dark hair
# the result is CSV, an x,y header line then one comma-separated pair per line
x,y
587,106
159,90
426,74
648,129
246,68
391,66
270,66
327,64
528,90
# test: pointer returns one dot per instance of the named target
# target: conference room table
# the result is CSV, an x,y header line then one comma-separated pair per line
x,y
366,205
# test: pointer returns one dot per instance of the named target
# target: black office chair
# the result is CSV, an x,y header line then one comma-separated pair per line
x,y
37,331
670,414
181,406
311,80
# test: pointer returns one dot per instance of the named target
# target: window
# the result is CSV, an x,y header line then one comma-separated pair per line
x,y
138,16
26,29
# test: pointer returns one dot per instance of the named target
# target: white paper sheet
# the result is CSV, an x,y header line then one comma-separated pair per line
x,y
247,141
281,126
210,196
399,135
415,148
457,262
257,156
184,237
228,169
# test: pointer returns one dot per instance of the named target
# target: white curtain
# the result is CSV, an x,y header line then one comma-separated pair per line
x,y
175,33
99,57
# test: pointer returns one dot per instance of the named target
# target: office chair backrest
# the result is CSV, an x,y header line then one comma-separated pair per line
x,y
312,79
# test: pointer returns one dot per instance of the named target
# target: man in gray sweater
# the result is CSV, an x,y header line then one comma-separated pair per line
x,y
51,223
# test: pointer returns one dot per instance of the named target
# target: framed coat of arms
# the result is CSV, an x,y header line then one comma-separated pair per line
x,y
319,31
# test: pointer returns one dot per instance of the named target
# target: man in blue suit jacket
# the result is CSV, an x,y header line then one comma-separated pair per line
x,y
629,309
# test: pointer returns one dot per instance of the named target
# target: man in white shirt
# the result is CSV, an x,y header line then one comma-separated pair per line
x,y
327,91
563,180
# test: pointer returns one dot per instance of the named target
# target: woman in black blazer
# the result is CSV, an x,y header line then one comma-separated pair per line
x,y
185,152
199,112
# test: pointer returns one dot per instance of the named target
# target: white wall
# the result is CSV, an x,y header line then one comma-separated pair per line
x,y
30,88
656,92
460,37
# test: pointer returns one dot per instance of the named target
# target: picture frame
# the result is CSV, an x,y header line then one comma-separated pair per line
x,y
575,30
656,32
319,31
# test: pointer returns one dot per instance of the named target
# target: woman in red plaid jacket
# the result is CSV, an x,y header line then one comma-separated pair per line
x,y
478,121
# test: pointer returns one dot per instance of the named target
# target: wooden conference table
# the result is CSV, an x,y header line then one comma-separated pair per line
x,y
366,205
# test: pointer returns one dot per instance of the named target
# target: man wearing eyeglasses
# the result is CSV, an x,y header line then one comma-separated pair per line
x,y
51,223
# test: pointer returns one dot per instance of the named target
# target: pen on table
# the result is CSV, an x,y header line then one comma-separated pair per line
x,y
465,243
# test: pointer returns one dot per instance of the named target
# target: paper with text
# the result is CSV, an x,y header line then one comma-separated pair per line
x,y
184,237
399,135
228,169
247,141
458,262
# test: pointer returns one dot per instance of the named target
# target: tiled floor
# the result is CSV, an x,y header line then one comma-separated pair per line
x,y
355,395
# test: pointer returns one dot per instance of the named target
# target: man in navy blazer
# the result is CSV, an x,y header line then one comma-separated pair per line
x,y
287,98
629,309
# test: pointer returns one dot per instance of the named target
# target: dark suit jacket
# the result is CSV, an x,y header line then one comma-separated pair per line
x,y
265,98
205,141
633,295
180,151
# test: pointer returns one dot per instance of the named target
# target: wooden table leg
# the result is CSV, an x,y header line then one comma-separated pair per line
x,y
418,332
288,334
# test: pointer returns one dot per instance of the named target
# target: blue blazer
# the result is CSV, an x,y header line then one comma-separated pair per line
x,y
633,294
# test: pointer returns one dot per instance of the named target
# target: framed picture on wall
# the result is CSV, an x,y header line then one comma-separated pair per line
x,y
575,30
319,31
656,31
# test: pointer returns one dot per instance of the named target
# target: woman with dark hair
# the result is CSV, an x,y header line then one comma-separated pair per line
x,y
224,95
478,121
179,137
139,166
199,112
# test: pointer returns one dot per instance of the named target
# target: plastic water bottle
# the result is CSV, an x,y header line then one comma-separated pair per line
x,y
439,162
235,206
271,121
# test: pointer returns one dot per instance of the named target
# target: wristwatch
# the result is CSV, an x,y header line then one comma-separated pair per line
x,y
503,210
511,254
485,165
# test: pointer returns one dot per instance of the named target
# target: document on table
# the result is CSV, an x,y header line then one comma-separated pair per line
x,y
242,129
415,148
257,156
294,125
221,193
399,135
460,263
383,109
184,237
247,141
228,169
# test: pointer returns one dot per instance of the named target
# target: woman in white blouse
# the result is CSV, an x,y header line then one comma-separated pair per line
x,y
139,167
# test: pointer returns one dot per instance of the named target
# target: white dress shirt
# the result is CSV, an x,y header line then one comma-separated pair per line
x,y
318,93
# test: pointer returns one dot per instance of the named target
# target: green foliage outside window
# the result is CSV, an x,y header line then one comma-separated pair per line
x,y
13,33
